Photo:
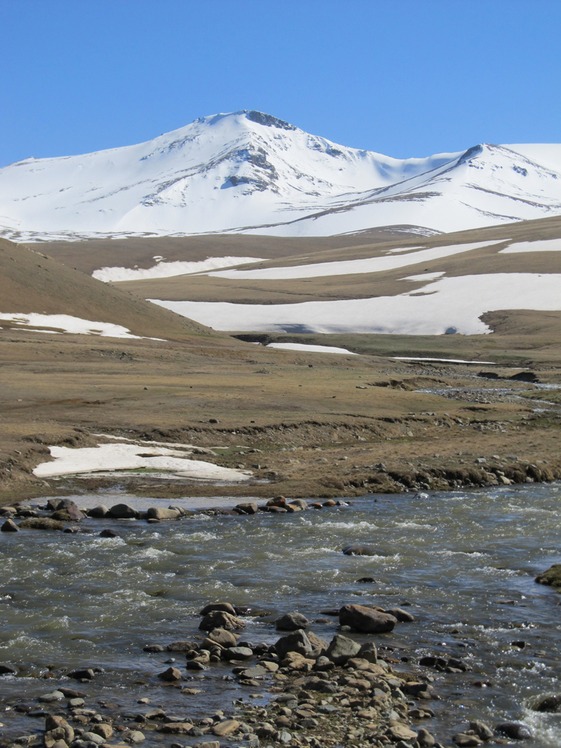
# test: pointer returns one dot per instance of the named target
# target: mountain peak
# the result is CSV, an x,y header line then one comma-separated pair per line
x,y
248,171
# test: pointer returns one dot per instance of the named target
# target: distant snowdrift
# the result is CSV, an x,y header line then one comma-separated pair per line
x,y
446,305
163,269
66,323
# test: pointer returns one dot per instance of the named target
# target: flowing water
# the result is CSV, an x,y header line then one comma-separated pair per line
x,y
462,562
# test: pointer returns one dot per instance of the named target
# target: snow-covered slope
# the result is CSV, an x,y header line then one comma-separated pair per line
x,y
251,172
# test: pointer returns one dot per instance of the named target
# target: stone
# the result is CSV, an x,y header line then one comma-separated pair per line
x,y
482,730
122,511
226,607
177,728
297,661
514,730
366,620
341,648
291,622
368,651
135,736
98,512
425,739
551,577
9,526
399,731
248,508
68,511
550,704
108,533
53,696
226,727
220,619
222,637
57,728
360,550
92,737
162,513
41,523
104,729
171,675
237,653
403,616
465,740
7,670
83,674
298,642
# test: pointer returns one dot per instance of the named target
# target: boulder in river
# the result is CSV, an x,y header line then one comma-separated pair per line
x,y
122,511
550,704
291,622
360,550
366,620
551,577
219,619
9,526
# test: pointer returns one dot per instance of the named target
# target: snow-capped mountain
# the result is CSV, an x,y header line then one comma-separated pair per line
x,y
250,172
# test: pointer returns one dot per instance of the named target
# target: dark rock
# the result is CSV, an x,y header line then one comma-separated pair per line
x,y
366,620
360,550
41,523
248,508
550,704
98,512
9,526
403,616
122,511
82,674
171,675
551,577
7,670
514,731
219,619
298,642
108,533
482,730
291,622
341,648
67,511
226,607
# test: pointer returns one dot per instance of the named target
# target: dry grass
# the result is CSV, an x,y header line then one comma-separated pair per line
x,y
321,422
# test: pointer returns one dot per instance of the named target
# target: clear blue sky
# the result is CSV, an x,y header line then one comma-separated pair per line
x,y
401,77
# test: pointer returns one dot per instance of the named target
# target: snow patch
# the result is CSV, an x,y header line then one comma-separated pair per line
x,y
310,348
169,269
543,245
352,267
70,324
111,457
449,304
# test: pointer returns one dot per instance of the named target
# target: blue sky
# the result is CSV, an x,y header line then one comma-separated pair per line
x,y
402,77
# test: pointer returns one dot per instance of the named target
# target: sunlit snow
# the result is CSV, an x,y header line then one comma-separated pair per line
x,y
310,348
110,457
445,305
169,269
67,323
540,245
351,267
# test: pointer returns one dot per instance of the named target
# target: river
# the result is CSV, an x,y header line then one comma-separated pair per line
x,y
463,563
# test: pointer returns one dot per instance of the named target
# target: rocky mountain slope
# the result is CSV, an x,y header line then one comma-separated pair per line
x,y
250,172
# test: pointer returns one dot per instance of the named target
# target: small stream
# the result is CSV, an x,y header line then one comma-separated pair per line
x,y
462,562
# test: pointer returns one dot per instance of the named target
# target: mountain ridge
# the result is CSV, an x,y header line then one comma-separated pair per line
x,y
251,172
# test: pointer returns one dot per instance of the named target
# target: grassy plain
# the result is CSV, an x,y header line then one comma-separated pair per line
x,y
306,424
